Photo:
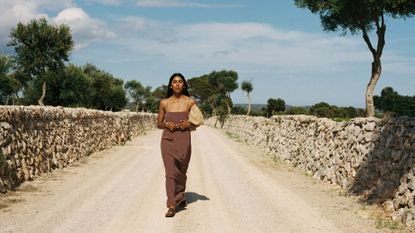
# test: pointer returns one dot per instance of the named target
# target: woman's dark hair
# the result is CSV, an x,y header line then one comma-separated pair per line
x,y
170,91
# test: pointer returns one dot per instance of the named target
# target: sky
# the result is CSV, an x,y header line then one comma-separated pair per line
x,y
280,48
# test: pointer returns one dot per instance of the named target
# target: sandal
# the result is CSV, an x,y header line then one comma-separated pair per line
x,y
170,212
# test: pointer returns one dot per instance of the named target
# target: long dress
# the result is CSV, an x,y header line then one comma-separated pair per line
x,y
176,151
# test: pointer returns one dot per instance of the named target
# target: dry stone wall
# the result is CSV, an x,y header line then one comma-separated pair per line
x,y
369,157
35,140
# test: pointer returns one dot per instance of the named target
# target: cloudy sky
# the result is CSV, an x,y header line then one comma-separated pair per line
x,y
280,48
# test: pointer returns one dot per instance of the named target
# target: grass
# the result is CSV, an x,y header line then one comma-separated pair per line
x,y
384,221
230,135
341,119
233,136
381,222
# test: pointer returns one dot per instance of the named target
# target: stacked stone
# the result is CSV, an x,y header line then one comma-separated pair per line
x,y
365,156
35,140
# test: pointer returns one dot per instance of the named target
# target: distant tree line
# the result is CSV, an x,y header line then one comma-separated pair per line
x,y
39,73
322,109
390,101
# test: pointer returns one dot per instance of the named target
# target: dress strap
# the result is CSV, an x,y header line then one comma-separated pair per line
x,y
167,105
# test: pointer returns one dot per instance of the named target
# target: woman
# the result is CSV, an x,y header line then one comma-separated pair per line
x,y
175,141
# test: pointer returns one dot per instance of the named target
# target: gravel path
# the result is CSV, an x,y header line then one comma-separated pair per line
x,y
231,188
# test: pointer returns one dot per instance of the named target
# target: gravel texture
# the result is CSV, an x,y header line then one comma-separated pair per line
x,y
231,188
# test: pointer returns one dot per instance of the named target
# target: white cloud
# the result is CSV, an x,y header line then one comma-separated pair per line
x,y
179,3
136,24
14,12
107,2
274,57
146,30
401,66
84,28
242,45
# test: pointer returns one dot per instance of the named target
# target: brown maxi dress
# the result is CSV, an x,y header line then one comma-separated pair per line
x,y
176,151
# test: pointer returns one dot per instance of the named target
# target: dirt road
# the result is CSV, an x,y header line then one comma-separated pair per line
x,y
231,188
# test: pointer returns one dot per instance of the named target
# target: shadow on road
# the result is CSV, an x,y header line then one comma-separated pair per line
x,y
193,197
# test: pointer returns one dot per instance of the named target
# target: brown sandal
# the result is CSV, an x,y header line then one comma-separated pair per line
x,y
170,212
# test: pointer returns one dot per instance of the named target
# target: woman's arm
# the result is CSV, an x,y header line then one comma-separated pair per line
x,y
191,103
160,116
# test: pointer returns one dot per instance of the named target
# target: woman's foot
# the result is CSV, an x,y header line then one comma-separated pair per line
x,y
170,212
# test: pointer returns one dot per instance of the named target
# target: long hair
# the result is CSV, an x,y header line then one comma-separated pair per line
x,y
170,91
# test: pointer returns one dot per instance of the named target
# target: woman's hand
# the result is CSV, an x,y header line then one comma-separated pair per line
x,y
170,126
184,125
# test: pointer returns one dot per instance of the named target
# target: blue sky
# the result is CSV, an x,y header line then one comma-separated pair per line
x,y
281,48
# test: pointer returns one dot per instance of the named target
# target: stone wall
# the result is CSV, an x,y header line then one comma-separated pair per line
x,y
36,140
365,156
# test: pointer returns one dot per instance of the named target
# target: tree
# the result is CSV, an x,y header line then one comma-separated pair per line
x,y
361,16
107,92
391,101
149,100
71,88
200,88
224,82
5,65
238,110
136,91
405,106
247,87
213,91
41,48
116,98
152,98
160,92
214,102
296,110
274,105
9,85
322,109
386,100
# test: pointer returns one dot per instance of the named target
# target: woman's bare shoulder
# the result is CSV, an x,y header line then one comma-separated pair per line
x,y
191,101
163,102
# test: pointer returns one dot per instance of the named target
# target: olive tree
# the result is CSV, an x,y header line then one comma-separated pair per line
x,y
9,85
361,16
41,48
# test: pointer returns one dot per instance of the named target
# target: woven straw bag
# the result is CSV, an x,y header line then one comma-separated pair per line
x,y
195,116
